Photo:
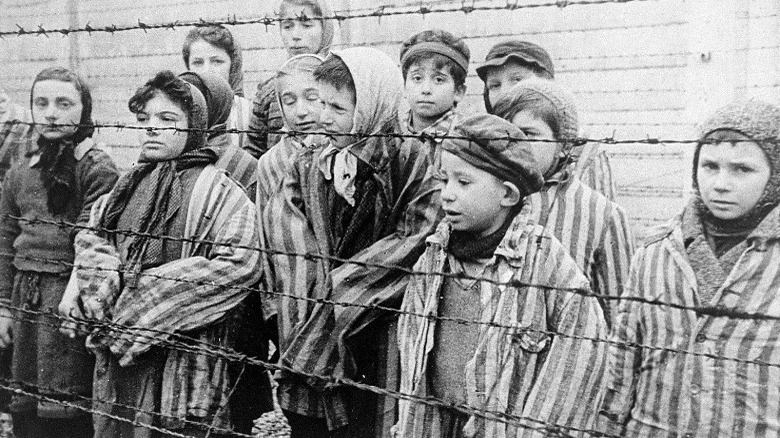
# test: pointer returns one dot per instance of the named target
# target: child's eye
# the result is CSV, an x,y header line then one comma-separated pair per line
x,y
464,182
494,85
141,117
198,62
709,166
744,169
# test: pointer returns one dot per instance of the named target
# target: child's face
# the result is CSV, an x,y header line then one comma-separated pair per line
x,y
300,36
162,144
546,153
505,76
338,112
473,200
206,57
301,104
732,177
430,91
56,103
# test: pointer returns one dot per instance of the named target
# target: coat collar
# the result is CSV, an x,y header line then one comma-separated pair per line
x,y
78,152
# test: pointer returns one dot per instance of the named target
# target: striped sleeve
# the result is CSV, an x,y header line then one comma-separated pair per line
x,y
596,173
613,260
193,292
623,357
365,281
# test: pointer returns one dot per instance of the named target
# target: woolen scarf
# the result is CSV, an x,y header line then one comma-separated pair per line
x,y
164,201
464,245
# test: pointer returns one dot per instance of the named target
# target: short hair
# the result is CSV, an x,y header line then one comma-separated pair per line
x,y
216,35
165,82
335,72
440,61
313,4
522,99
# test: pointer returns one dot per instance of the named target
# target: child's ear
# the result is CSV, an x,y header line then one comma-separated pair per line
x,y
460,92
511,196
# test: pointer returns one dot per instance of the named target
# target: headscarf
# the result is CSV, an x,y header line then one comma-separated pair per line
x,y
328,27
163,202
378,94
759,121
219,100
57,162
222,38
305,63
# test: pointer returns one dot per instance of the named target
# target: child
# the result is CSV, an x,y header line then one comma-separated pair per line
x,y
213,49
300,104
434,64
592,228
539,368
236,162
194,283
510,62
59,181
350,198
303,31
719,255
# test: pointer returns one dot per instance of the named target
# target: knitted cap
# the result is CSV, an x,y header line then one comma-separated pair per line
x,y
758,120
496,146
518,99
524,51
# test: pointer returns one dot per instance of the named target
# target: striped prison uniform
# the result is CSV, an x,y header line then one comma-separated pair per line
x,y
430,138
240,165
318,339
534,365
595,170
592,228
195,294
697,374
272,167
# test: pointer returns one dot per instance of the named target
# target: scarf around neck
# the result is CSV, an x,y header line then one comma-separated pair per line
x,y
160,206
464,245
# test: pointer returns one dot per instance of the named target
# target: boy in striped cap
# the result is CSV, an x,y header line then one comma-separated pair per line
x,y
435,64
498,327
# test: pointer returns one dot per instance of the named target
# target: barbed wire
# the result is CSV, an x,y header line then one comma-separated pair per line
x,y
712,311
364,135
220,352
267,20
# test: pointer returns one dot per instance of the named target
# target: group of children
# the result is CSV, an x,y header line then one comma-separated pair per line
x,y
420,272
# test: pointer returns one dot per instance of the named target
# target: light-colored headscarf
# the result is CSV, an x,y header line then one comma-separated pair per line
x,y
378,94
305,63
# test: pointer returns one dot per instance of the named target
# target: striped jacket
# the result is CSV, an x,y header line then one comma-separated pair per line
x,y
595,171
533,366
314,338
674,384
191,295
432,145
272,167
592,228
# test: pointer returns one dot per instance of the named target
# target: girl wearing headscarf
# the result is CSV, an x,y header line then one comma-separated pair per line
x,y
238,163
719,257
59,180
213,49
184,289
350,197
304,31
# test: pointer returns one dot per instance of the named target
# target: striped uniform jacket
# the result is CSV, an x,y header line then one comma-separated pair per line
x,y
676,386
592,228
272,167
266,121
533,366
191,295
431,145
314,337
239,165
595,171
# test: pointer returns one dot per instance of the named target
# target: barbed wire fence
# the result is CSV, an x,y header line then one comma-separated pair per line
x,y
633,147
